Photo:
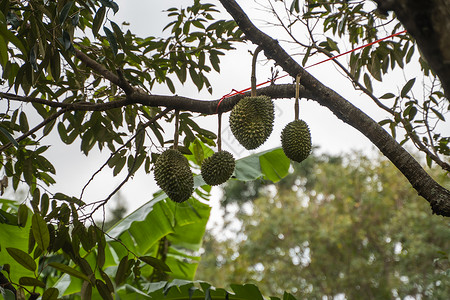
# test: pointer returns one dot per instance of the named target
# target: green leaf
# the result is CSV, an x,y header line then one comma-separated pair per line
x,y
9,137
274,165
65,12
367,82
111,39
50,294
40,231
68,270
155,263
22,215
387,96
119,34
438,114
170,85
333,45
10,37
98,20
14,237
3,53
295,6
196,78
30,281
86,290
250,167
247,291
407,87
103,290
122,270
22,258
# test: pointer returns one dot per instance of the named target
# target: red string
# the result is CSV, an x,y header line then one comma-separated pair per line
x,y
230,94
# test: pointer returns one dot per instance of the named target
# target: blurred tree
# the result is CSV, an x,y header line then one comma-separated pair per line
x,y
345,225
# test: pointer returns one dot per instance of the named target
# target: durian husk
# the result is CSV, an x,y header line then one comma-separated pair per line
x,y
251,121
296,140
174,176
218,168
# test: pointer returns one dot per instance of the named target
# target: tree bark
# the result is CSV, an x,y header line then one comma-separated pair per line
x,y
428,21
435,194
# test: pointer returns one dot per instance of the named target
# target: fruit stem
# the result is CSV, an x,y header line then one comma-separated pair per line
x,y
177,120
253,78
297,95
219,133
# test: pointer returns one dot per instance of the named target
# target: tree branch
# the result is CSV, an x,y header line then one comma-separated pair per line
x,y
208,107
36,128
435,194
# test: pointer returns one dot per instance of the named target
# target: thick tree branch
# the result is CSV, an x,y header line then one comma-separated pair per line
x,y
435,194
208,107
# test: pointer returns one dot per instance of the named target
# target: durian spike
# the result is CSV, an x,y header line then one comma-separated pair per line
x,y
219,133
253,78
176,134
297,95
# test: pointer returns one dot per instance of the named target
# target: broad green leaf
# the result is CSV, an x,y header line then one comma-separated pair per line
x,y
247,291
253,167
68,270
22,258
274,165
13,236
40,231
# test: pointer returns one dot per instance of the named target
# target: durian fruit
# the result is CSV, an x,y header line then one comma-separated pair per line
x,y
251,121
218,168
174,176
296,140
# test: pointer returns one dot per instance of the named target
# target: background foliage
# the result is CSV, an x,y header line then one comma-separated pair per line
x,y
338,225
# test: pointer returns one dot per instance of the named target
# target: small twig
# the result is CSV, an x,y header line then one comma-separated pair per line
x,y
219,132
297,95
177,128
253,77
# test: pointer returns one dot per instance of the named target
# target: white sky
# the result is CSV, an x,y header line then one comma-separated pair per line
x,y
147,18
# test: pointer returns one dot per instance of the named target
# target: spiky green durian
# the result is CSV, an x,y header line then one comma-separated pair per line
x,y
174,176
251,121
218,168
296,140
